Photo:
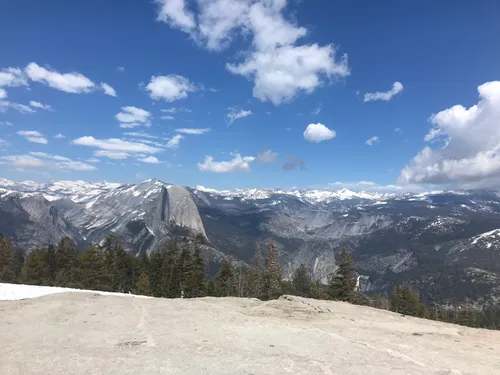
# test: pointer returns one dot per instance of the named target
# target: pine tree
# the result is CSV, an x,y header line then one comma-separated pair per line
x,y
91,272
7,261
142,285
196,278
66,259
255,276
273,274
343,283
171,271
184,268
36,270
301,281
156,274
225,283
318,290
51,263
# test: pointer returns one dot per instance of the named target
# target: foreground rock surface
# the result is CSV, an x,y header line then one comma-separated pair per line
x,y
86,333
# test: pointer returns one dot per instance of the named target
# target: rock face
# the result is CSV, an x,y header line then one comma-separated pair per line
x,y
434,241
91,333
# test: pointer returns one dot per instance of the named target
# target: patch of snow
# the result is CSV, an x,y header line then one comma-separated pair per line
x,y
491,233
14,292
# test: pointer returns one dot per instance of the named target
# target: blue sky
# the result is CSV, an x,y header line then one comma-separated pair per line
x,y
282,93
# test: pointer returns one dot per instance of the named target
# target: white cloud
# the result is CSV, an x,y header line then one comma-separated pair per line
x,y
49,161
280,74
467,145
196,131
167,117
6,123
115,144
33,136
3,143
131,117
266,156
120,69
108,90
174,141
143,135
237,164
170,88
175,110
3,93
13,77
397,87
149,159
316,110
278,65
75,83
118,155
398,130
174,12
234,115
59,136
93,160
21,108
318,133
39,105
372,140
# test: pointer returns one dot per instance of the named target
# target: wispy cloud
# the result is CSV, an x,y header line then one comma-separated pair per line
x,y
234,115
372,140
33,136
397,87
196,131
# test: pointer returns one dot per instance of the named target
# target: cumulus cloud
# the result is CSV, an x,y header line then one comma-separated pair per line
x,y
195,131
75,83
33,136
47,161
59,136
116,144
397,87
170,88
234,115
237,164
372,140
175,13
174,141
13,77
278,65
318,132
466,144
39,105
266,156
3,93
131,117
149,160
108,90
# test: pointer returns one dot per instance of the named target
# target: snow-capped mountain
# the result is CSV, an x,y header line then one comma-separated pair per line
x,y
428,239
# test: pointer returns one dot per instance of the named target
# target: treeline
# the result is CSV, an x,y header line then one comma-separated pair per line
x,y
178,270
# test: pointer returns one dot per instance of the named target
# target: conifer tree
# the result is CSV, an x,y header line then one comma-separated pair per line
x,y
225,283
301,281
255,276
171,271
66,259
91,272
36,270
196,278
7,261
142,285
156,274
273,274
184,267
342,285
51,263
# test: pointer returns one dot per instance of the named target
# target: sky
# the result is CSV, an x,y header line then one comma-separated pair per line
x,y
385,95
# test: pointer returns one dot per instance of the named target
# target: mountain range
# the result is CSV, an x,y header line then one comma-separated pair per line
x,y
445,243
